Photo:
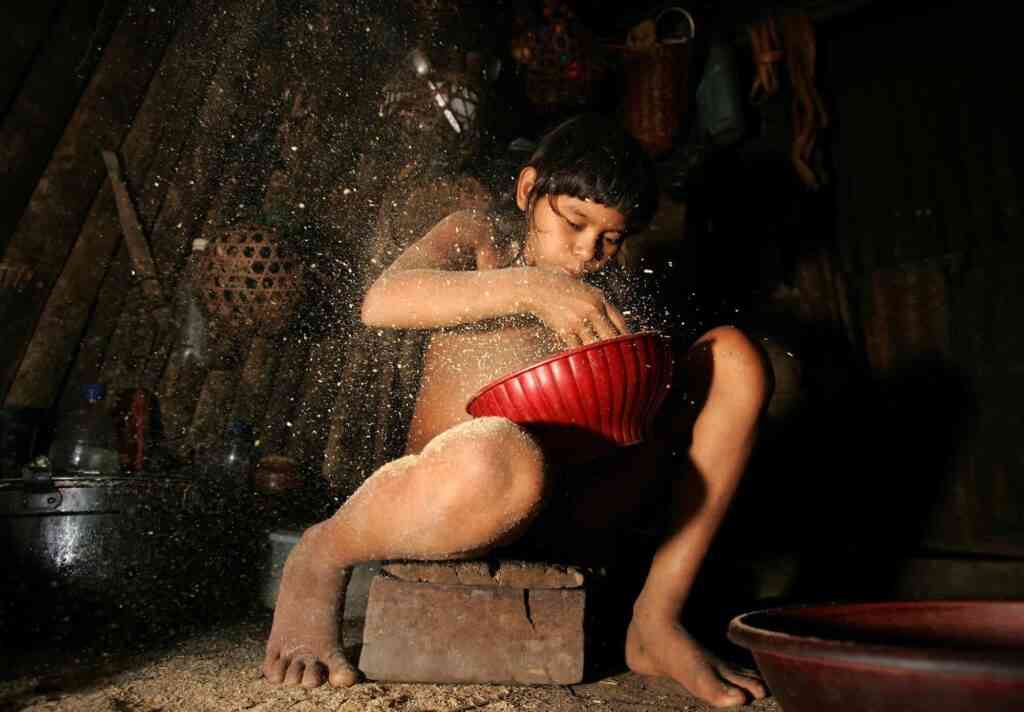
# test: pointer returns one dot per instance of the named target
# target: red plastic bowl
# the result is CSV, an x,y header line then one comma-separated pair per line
x,y
923,656
609,390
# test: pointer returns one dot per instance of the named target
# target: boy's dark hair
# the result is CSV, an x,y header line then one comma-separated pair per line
x,y
591,157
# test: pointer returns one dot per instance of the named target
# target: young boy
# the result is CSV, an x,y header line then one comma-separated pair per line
x,y
497,301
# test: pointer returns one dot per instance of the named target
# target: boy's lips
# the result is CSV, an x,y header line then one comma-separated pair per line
x,y
572,273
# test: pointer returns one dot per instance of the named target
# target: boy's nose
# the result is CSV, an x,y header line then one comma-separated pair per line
x,y
585,248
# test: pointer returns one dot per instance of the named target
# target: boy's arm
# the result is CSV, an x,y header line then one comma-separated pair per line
x,y
445,278
453,275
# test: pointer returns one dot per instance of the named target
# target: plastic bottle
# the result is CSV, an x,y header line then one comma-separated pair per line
x,y
189,359
232,461
192,349
85,441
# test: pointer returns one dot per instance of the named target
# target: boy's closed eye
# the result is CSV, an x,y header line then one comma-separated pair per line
x,y
612,238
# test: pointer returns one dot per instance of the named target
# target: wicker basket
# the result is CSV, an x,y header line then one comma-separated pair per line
x,y
250,280
655,94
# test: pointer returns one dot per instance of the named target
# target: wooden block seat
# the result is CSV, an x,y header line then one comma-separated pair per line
x,y
505,622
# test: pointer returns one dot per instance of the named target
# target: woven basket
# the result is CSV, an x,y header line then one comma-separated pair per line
x,y
655,95
250,280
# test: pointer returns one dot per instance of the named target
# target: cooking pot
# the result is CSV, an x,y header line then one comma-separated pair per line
x,y
81,547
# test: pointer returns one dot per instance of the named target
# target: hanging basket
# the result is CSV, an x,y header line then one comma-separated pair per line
x,y
655,93
250,280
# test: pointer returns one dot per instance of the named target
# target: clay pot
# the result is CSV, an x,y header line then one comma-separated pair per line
x,y
275,474
924,656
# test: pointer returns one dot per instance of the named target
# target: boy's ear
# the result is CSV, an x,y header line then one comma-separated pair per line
x,y
524,185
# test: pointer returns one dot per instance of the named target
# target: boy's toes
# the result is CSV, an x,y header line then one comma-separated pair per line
x,y
274,667
341,673
296,669
314,674
749,683
725,696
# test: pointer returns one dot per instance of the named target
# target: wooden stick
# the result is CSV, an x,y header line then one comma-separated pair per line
x,y
138,248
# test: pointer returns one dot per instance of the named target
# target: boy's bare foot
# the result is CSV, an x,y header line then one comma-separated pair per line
x,y
662,648
304,648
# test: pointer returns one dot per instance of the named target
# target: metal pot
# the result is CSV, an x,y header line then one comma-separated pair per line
x,y
85,544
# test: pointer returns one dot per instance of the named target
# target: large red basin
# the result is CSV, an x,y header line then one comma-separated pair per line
x,y
924,656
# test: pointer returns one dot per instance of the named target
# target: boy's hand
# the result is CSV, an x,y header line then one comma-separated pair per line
x,y
578,313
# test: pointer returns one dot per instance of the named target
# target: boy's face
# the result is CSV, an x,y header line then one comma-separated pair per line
x,y
575,236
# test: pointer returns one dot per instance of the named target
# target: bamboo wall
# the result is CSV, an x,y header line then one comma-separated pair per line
x,y
220,113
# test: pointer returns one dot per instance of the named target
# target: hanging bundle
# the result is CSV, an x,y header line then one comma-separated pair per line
x,y
798,50
563,67
809,114
764,43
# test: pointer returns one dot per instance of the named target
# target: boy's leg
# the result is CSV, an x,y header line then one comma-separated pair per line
x,y
726,386
474,487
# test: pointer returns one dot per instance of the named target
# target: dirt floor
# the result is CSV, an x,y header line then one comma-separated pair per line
x,y
215,670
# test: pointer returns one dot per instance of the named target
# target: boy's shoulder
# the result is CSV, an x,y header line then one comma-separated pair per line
x,y
486,226
473,218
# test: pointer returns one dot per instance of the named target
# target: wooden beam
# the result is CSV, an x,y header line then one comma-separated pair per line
x,y
61,202
37,115
26,24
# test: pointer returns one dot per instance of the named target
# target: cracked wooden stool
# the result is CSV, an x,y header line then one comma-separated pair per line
x,y
475,622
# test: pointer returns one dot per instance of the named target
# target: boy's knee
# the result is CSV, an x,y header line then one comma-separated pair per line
x,y
495,460
739,365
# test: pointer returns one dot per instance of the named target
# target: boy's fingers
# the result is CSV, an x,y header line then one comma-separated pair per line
x,y
618,319
570,339
602,328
